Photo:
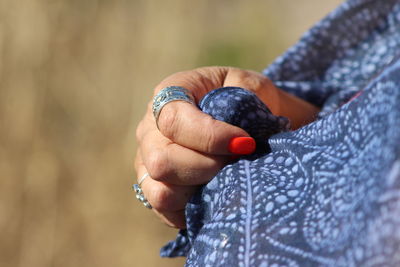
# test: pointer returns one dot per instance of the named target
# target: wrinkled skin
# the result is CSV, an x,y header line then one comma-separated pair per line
x,y
190,147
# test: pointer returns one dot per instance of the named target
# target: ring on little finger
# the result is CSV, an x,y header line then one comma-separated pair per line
x,y
139,192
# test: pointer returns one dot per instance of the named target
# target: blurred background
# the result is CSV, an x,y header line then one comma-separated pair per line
x,y
75,76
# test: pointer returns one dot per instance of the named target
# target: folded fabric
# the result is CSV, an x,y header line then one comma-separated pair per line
x,y
242,108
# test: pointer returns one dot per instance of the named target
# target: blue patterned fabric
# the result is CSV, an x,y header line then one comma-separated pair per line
x,y
242,108
327,194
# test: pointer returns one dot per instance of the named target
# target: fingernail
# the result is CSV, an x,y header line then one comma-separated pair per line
x,y
242,145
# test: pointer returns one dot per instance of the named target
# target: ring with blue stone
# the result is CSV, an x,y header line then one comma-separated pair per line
x,y
140,196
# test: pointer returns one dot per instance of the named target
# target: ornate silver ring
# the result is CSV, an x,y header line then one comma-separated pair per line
x,y
139,192
169,94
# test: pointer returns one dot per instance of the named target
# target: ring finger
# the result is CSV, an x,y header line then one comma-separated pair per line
x,y
170,162
168,201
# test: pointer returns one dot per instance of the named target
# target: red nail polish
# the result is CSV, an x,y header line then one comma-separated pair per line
x,y
242,145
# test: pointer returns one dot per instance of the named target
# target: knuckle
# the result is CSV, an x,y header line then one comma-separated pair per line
x,y
160,199
168,121
142,129
157,165
210,139
139,131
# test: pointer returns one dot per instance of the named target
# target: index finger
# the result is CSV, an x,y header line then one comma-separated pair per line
x,y
188,126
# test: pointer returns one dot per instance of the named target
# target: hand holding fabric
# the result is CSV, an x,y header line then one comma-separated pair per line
x,y
190,147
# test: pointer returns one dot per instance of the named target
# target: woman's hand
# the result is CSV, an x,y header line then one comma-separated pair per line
x,y
190,147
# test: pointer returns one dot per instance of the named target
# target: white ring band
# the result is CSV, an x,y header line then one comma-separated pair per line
x,y
140,181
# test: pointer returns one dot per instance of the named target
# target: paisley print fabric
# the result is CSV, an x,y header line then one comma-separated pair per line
x,y
242,108
327,194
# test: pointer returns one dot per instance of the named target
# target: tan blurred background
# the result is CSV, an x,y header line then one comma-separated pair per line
x,y
75,76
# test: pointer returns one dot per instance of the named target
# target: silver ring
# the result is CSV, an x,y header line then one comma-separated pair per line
x,y
169,94
140,196
140,181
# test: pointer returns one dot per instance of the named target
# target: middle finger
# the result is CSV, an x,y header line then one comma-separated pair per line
x,y
175,164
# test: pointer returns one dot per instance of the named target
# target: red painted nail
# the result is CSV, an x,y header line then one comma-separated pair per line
x,y
242,145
